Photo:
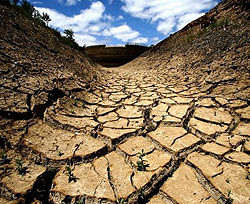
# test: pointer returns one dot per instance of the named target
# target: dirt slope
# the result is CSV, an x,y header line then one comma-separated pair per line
x,y
212,48
36,67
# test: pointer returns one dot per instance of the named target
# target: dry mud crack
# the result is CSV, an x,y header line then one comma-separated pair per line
x,y
133,139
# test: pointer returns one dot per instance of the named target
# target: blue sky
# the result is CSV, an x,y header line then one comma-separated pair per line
x,y
116,22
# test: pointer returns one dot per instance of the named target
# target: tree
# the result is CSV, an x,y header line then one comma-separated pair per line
x,y
46,18
69,40
36,15
69,33
28,7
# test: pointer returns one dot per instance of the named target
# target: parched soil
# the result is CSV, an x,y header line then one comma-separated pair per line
x,y
133,140
171,127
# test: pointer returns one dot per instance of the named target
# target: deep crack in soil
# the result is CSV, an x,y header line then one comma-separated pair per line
x,y
168,129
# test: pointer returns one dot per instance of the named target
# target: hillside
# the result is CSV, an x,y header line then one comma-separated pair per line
x,y
210,49
36,67
172,126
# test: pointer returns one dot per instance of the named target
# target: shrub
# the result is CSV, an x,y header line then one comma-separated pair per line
x,y
5,2
69,40
28,7
219,24
69,33
45,17
36,15
141,163
20,168
28,10
69,172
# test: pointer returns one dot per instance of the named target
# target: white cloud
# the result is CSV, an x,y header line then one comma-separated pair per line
x,y
110,1
84,39
60,1
72,2
187,18
120,17
108,17
68,2
123,33
91,24
166,26
58,20
169,15
140,40
37,2
87,23
155,40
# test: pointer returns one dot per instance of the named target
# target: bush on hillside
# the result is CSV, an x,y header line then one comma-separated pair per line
x,y
28,10
28,7
45,17
5,2
69,40
69,33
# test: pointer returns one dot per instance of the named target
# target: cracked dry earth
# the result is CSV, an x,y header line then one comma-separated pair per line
x,y
134,139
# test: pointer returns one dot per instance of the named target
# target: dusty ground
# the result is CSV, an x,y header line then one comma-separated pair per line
x,y
173,126
134,139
